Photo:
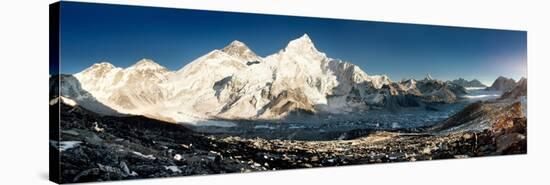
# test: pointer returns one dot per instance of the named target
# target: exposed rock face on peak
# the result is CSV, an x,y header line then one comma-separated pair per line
x,y
241,51
465,83
502,84
103,64
99,70
409,84
520,90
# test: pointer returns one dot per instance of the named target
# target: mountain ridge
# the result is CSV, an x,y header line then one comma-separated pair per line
x,y
502,84
465,83
222,84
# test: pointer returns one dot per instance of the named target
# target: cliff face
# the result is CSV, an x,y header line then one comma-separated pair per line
x,y
502,84
518,91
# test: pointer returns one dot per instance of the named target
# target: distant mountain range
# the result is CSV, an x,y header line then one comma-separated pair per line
x,y
465,83
502,84
235,83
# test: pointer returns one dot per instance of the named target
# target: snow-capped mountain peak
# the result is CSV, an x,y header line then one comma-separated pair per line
x,y
235,46
302,44
98,70
214,58
300,50
235,83
103,64
428,77
410,84
146,64
241,51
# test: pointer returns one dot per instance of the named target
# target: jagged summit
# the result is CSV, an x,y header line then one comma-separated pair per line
x,y
98,69
302,44
101,65
104,64
235,44
502,84
146,64
145,61
519,90
300,50
240,50
428,77
465,83
409,84
504,78
305,38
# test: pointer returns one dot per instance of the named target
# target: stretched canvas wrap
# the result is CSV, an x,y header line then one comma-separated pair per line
x,y
145,92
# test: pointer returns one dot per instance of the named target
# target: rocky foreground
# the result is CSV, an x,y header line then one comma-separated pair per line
x,y
101,148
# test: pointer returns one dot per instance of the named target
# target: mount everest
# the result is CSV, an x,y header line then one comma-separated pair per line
x,y
235,83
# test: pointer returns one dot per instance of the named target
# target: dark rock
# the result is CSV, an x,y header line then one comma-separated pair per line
x,y
502,84
109,154
518,91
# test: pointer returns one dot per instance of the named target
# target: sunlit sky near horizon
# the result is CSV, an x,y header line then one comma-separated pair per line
x,y
122,35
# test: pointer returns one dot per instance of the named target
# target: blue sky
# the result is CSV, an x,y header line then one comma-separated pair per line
x,y
122,35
